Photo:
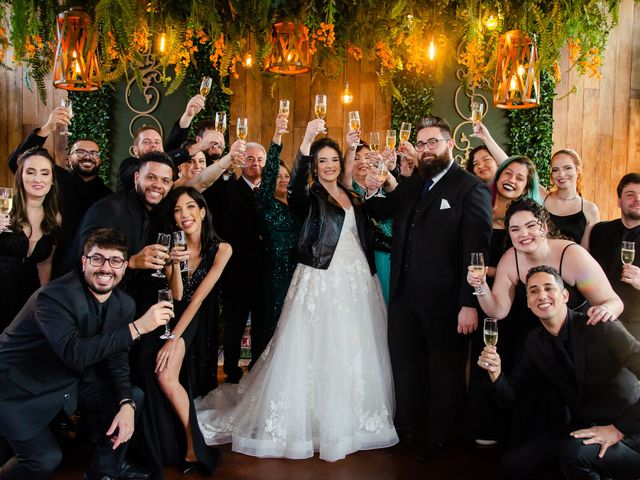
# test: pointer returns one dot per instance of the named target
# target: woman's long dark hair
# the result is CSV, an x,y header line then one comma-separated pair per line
x,y
319,145
208,236
19,217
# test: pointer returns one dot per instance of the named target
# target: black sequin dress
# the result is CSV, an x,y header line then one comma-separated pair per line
x,y
19,272
279,229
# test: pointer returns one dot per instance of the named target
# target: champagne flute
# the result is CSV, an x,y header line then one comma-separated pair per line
x,y
390,140
242,129
320,107
165,295
628,252
205,86
374,141
221,122
490,332
284,110
164,239
68,104
477,268
405,132
477,109
354,124
6,202
379,166
180,241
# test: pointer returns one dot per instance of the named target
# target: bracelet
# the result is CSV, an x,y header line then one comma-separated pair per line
x,y
128,401
135,327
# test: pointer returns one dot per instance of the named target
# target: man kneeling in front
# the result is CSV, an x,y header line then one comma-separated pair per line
x,y
67,348
594,370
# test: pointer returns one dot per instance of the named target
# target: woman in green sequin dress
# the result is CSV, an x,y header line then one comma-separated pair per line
x,y
279,229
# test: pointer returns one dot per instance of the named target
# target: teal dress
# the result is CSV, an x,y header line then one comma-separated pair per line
x,y
279,229
382,231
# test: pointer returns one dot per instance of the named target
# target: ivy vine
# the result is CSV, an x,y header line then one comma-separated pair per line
x,y
92,119
531,130
416,92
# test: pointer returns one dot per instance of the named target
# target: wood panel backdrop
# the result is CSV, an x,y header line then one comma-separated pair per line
x,y
601,121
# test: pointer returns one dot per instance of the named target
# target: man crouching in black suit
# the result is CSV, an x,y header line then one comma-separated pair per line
x,y
594,370
67,348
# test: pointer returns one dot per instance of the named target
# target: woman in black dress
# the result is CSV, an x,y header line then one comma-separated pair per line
x,y
28,234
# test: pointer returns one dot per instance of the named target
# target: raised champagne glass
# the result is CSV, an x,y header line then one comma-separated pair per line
x,y
390,140
68,104
628,252
242,129
283,109
6,202
374,141
164,239
221,122
477,269
477,110
490,332
180,242
165,295
320,106
205,86
354,124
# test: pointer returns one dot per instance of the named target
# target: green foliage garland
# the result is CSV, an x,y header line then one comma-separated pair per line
x,y
531,130
92,119
416,91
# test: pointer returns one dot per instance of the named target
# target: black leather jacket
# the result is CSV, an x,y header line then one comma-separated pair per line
x,y
322,217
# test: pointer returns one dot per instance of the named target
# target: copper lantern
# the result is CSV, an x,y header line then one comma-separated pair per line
x,y
517,80
76,61
290,53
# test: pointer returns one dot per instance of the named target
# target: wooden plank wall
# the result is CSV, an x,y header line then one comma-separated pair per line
x,y
20,112
602,120
256,98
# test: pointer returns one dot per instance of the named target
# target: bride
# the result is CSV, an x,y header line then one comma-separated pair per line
x,y
324,381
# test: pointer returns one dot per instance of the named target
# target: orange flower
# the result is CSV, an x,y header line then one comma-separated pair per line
x,y
219,50
557,75
386,55
355,52
573,45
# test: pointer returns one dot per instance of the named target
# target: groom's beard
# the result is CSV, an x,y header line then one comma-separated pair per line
x,y
430,164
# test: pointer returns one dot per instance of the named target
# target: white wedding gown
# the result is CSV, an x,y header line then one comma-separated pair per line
x,y
324,383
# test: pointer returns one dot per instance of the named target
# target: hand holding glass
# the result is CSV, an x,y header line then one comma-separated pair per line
x,y
477,268
6,202
164,239
165,295
628,252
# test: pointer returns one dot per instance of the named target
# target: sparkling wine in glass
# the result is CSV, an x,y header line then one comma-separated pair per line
x,y
490,332
390,140
165,295
6,202
283,109
405,131
242,129
628,252
180,242
379,166
477,269
68,104
205,86
374,141
477,109
221,122
354,124
320,106
164,239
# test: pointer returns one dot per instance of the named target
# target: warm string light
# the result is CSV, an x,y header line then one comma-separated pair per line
x,y
76,64
432,49
162,44
346,96
248,60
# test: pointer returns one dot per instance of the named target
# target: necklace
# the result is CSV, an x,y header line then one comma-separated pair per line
x,y
568,199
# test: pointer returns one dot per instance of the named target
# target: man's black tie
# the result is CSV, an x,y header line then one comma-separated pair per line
x,y
425,189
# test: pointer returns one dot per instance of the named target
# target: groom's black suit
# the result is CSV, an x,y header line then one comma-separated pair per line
x,y
433,238
55,342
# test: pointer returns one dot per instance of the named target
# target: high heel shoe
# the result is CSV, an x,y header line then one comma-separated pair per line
x,y
195,466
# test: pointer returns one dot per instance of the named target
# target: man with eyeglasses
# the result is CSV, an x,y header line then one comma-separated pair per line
x,y
67,349
80,185
440,216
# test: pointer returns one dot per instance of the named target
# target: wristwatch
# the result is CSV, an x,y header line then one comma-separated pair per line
x,y
128,401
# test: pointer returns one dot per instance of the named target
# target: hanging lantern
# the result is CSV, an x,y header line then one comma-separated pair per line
x,y
517,80
76,61
290,53
346,97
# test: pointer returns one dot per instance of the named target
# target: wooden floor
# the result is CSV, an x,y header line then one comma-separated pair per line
x,y
397,463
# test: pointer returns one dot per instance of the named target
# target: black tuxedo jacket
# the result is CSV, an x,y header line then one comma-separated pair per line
x,y
49,345
234,213
605,389
433,239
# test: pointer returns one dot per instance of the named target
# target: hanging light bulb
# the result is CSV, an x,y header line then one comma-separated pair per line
x,y
76,64
346,96
162,42
432,49
248,60
491,22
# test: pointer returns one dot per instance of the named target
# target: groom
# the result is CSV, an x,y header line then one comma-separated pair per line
x,y
440,217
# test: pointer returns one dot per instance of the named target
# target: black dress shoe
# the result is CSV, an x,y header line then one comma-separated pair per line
x,y
431,451
128,471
